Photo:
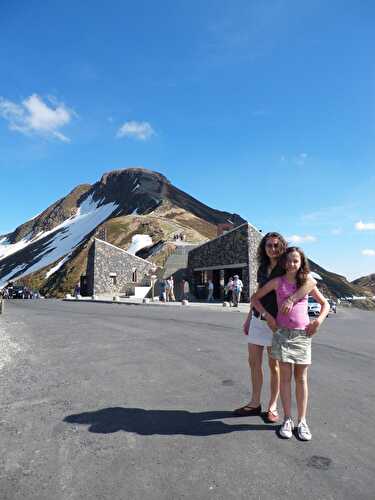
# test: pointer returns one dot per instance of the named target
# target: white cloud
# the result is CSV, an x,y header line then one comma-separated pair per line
x,y
138,130
331,216
336,231
361,226
295,238
34,116
369,252
300,159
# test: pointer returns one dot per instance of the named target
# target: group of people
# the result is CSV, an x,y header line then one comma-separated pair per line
x,y
179,236
166,288
278,320
233,290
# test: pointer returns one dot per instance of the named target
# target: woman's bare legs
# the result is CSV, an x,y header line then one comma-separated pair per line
x,y
274,380
302,391
286,387
256,370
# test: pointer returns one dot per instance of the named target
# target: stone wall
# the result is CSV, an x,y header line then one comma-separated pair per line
x,y
254,238
105,259
235,248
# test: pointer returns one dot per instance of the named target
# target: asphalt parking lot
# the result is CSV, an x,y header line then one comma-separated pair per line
x,y
106,401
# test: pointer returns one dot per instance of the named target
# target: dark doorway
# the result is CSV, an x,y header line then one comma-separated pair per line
x,y
216,282
83,285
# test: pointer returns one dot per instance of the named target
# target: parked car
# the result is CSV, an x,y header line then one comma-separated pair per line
x,y
18,292
313,307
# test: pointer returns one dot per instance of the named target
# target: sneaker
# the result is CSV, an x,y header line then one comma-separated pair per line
x,y
303,431
286,430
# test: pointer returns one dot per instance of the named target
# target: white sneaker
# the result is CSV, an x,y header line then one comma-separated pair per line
x,y
286,430
303,431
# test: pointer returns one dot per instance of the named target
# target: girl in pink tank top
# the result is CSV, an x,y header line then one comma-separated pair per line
x,y
298,317
291,344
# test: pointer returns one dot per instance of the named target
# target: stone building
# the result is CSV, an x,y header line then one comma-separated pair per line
x,y
112,270
234,252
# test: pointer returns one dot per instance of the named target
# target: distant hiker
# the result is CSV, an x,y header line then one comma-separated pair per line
x,y
170,289
229,291
185,290
236,290
162,291
210,288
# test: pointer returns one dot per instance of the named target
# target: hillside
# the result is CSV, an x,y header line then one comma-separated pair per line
x,y
334,285
367,282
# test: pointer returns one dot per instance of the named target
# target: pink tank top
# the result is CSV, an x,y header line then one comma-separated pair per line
x,y
298,318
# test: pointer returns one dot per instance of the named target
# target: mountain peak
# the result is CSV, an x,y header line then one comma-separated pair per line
x,y
131,172
61,233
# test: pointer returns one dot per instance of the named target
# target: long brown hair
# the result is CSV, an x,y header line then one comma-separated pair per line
x,y
262,257
303,271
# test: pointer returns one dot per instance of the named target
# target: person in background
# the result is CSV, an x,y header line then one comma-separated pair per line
x,y
162,291
77,290
229,291
167,287
237,289
170,289
185,290
210,288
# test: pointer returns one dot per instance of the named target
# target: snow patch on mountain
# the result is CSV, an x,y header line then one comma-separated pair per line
x,y
57,267
7,248
139,241
316,275
65,237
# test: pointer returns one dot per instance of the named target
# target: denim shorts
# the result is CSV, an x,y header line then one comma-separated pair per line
x,y
291,346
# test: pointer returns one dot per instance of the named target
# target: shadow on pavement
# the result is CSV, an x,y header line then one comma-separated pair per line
x,y
163,422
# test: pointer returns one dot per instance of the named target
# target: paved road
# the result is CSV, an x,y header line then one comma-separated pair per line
x,y
134,402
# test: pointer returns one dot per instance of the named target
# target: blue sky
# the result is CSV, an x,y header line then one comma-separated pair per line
x,y
263,108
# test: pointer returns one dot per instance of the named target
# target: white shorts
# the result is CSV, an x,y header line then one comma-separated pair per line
x,y
259,332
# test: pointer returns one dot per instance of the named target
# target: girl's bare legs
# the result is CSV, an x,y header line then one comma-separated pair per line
x,y
274,380
302,391
255,362
286,387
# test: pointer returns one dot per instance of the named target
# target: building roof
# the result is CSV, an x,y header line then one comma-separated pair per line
x,y
125,251
224,234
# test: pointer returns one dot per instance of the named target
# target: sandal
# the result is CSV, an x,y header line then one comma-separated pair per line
x,y
248,411
271,417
